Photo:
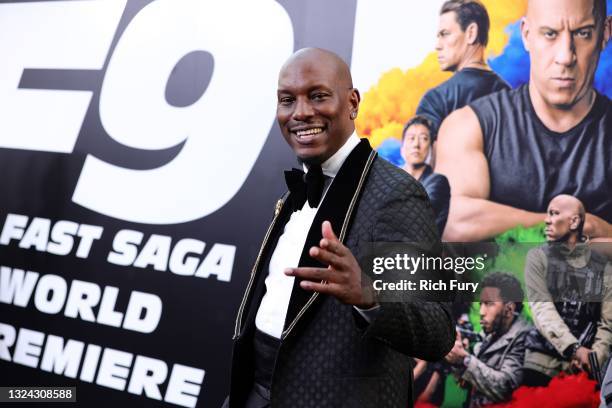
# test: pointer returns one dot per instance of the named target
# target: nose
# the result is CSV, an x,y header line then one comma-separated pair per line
x,y
438,44
547,220
303,110
482,311
565,53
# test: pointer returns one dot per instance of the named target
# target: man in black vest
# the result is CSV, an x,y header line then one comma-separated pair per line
x,y
551,136
310,330
569,288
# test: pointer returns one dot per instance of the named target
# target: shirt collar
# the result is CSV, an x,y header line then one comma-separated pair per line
x,y
332,165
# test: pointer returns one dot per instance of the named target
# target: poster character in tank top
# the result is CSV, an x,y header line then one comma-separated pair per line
x,y
508,154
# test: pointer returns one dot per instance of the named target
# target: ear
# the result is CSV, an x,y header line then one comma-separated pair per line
x,y
354,100
525,33
607,32
575,222
509,307
471,33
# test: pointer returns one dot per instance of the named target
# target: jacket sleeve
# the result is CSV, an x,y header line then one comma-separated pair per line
x,y
419,328
545,316
498,384
603,336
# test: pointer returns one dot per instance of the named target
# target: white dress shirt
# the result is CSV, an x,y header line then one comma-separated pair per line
x,y
272,311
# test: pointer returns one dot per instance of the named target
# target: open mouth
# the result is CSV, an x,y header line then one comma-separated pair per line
x,y
306,136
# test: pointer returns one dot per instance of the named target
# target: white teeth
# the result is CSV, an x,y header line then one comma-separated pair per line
x,y
308,132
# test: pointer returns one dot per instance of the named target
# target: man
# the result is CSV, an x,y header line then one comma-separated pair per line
x,y
310,332
569,288
416,148
494,370
523,147
463,35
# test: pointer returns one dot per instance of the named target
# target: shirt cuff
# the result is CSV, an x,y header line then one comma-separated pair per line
x,y
368,314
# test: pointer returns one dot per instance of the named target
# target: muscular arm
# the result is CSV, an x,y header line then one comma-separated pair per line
x,y
460,157
596,227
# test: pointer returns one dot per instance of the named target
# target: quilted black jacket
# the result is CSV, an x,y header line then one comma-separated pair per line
x,y
330,357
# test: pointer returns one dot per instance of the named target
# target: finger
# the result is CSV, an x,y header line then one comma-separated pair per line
x,y
314,274
328,232
327,257
332,245
457,336
323,288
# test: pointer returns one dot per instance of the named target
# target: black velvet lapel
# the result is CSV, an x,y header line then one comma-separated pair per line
x,y
254,300
333,208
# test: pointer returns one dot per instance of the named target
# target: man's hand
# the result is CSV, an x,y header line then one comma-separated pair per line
x,y
457,353
342,276
580,361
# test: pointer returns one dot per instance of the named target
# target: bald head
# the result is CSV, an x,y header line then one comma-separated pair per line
x,y
319,56
598,7
569,203
317,104
565,219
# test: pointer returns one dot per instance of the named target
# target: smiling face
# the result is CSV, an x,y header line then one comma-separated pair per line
x,y
415,146
452,43
564,45
316,102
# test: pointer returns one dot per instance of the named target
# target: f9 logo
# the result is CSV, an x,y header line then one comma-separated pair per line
x,y
133,109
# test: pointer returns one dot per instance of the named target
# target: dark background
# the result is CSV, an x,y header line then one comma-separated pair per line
x,y
198,314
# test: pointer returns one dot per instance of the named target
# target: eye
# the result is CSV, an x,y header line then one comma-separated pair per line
x,y
550,34
585,34
285,101
319,96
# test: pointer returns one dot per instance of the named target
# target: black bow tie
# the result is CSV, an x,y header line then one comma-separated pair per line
x,y
305,186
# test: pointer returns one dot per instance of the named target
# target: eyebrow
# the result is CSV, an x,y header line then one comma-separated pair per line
x,y
584,27
591,26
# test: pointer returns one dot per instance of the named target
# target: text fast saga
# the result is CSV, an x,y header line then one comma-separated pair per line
x,y
129,247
